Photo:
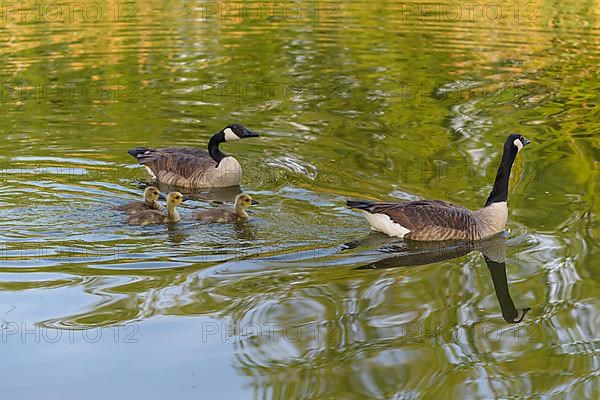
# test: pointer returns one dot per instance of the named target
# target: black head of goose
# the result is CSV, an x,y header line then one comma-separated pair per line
x,y
194,168
439,220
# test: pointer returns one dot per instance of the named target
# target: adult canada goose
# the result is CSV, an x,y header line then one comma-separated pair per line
x,y
148,217
439,220
194,168
225,215
151,196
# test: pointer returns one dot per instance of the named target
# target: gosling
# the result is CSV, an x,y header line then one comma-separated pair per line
x,y
149,217
151,196
227,215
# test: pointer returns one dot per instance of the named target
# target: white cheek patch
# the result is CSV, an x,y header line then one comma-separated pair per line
x,y
518,144
230,136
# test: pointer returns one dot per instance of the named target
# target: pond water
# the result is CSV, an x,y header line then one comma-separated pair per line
x,y
383,100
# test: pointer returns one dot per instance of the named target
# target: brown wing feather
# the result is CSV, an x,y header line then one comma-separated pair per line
x,y
176,166
192,151
430,219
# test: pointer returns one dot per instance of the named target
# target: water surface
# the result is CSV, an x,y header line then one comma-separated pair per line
x,y
391,100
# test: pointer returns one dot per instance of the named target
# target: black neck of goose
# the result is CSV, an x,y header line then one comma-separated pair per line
x,y
499,192
213,147
498,272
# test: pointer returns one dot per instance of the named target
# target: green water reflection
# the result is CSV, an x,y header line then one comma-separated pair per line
x,y
383,100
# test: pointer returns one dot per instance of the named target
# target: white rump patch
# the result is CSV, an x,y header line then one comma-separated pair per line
x,y
230,136
150,171
383,223
519,144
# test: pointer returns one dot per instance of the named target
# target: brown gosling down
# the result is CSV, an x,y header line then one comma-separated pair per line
x,y
439,220
227,215
151,195
194,168
148,217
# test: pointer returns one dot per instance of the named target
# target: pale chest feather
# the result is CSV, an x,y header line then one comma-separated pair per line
x,y
228,173
172,216
491,219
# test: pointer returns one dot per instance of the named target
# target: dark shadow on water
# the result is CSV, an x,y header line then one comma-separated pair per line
x,y
411,253
244,231
407,253
175,234
510,313
219,195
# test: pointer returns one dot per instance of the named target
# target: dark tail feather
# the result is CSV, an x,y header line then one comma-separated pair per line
x,y
135,153
361,205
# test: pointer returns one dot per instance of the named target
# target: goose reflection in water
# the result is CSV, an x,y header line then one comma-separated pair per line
x,y
176,235
410,253
217,195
